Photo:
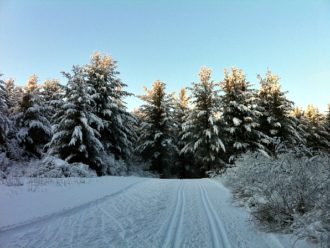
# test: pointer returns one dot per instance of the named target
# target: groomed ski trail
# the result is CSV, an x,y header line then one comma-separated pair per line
x,y
149,213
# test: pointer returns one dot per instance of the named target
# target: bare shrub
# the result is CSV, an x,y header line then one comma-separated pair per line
x,y
288,193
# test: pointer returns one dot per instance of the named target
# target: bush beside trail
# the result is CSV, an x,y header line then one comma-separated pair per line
x,y
290,193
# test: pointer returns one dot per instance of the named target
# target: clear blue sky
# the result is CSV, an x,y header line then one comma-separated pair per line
x,y
171,40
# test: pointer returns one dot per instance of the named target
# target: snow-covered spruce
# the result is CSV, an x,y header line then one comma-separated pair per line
x,y
4,121
76,131
317,135
30,119
326,124
185,167
240,116
117,136
51,93
276,120
201,130
156,133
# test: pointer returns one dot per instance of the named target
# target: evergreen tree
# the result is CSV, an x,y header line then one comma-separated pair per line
x,y
185,160
240,115
156,141
76,131
33,127
117,135
276,121
4,121
316,131
201,132
10,87
327,124
50,93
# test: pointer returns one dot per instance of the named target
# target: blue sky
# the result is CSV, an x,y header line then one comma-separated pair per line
x,y
171,40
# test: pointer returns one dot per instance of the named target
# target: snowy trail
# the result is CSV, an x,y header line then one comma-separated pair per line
x,y
149,213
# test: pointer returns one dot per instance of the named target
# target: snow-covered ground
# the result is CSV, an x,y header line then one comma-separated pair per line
x,y
128,212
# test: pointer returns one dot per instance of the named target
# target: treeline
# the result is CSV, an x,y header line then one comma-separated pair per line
x,y
184,135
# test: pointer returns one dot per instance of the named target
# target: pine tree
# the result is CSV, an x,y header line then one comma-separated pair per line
x,y
185,160
201,132
316,132
327,125
76,131
13,100
276,121
4,121
240,115
156,141
32,83
50,93
10,87
33,127
117,135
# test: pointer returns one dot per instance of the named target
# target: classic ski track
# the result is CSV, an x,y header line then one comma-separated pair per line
x,y
215,223
69,211
175,224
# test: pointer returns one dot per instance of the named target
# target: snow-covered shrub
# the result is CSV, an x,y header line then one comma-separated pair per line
x,y
4,163
53,167
111,166
7,178
286,193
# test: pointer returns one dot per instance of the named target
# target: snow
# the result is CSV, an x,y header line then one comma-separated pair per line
x,y
129,212
27,203
237,121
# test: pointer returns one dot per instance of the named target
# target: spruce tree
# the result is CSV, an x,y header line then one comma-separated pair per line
x,y
156,141
51,93
327,125
201,131
316,131
276,121
12,101
33,127
76,131
117,135
4,121
184,163
240,115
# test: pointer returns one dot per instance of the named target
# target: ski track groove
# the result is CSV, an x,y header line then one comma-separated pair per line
x,y
175,223
66,212
215,223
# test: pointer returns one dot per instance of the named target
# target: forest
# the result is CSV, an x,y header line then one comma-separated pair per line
x,y
200,130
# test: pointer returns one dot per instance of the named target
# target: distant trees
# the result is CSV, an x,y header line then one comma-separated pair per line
x,y
199,130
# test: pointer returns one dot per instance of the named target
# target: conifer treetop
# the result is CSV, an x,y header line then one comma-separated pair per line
x,y
32,83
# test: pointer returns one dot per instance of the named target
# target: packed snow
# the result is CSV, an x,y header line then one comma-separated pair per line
x,y
128,212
